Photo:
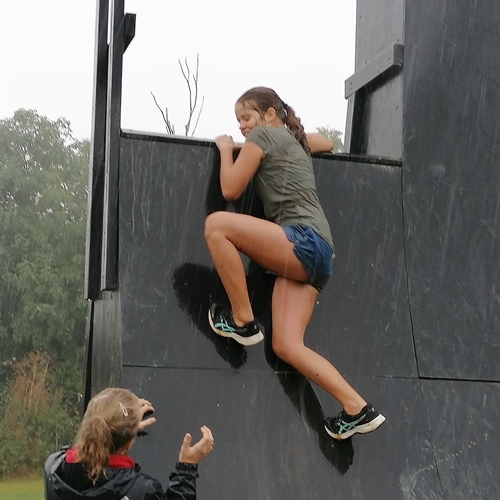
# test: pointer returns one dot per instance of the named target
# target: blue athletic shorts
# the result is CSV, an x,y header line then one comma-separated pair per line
x,y
313,253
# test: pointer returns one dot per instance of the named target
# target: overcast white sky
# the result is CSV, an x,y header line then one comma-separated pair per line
x,y
304,50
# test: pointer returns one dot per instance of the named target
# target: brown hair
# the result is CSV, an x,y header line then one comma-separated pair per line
x,y
111,421
262,98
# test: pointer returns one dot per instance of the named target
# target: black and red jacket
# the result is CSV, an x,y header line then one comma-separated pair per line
x,y
122,479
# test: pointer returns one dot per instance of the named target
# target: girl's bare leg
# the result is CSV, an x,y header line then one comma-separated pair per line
x,y
265,243
228,233
292,307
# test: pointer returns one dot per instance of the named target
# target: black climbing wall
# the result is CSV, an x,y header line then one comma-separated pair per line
x,y
451,180
268,420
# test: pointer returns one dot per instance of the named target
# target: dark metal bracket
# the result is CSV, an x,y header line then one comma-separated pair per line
x,y
380,69
129,30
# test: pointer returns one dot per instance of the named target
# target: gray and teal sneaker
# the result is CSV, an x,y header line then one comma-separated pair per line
x,y
344,425
222,323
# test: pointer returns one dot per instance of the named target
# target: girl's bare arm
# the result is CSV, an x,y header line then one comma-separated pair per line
x,y
319,143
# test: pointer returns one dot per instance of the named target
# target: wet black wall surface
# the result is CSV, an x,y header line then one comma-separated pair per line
x,y
451,179
270,442
268,419
166,277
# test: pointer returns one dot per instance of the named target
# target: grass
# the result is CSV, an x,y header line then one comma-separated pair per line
x,y
22,489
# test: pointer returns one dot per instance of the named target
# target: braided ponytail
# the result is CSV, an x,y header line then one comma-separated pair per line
x,y
262,98
294,125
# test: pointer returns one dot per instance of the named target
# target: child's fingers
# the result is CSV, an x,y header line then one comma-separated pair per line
x,y
186,442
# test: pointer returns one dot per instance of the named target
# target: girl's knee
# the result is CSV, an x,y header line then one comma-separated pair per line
x,y
213,224
284,349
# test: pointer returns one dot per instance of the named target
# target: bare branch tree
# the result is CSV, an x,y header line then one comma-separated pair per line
x,y
192,85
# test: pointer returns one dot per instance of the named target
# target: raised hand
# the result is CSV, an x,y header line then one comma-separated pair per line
x,y
146,410
193,454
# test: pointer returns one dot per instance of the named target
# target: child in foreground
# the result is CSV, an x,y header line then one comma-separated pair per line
x,y
98,465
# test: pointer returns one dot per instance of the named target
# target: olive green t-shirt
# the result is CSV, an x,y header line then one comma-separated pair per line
x,y
285,181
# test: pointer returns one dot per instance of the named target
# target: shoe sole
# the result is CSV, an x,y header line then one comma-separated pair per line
x,y
359,429
246,341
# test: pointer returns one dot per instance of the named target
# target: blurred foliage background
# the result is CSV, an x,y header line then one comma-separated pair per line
x,y
43,199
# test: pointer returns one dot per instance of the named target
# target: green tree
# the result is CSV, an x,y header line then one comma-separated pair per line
x,y
334,135
43,190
